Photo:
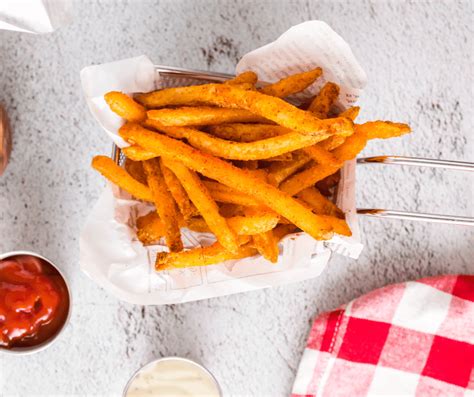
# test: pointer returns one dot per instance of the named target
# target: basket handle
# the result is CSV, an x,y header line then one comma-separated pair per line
x,y
415,216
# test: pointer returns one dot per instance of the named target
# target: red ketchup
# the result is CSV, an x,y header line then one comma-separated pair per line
x,y
34,301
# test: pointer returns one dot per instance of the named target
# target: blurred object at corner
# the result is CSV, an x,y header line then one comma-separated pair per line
x,y
5,140
35,16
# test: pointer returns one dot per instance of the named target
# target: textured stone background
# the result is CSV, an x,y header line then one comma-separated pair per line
x,y
418,57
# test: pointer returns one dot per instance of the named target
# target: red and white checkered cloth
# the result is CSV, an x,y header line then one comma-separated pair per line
x,y
410,339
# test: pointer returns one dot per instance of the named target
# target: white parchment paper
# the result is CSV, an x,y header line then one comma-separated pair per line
x,y
110,252
34,16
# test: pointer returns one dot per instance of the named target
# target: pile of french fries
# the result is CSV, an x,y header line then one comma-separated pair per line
x,y
238,161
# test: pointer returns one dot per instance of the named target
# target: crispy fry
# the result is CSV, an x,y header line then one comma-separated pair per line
x,y
164,203
135,169
117,175
267,245
332,142
325,185
319,204
205,256
136,153
351,113
228,96
231,176
247,77
258,150
241,225
201,115
292,84
321,156
347,151
339,226
225,194
150,229
383,129
180,196
284,230
125,106
322,102
203,201
241,132
279,172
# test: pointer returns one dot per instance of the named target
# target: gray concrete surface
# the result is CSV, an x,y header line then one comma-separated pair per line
x,y
418,56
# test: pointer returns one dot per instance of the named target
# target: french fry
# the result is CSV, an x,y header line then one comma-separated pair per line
x,y
321,156
228,96
231,176
267,245
332,142
225,194
117,175
241,225
279,172
347,151
207,207
180,196
322,102
319,204
283,230
205,256
135,169
125,107
247,77
258,150
136,153
150,229
383,129
326,184
201,115
246,132
339,226
351,113
164,203
292,84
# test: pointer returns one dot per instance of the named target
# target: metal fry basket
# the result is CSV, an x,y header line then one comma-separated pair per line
x,y
172,77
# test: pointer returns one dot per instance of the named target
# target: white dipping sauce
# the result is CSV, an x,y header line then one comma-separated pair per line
x,y
173,377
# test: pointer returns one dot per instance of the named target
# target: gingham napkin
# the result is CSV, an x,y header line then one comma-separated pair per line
x,y
410,339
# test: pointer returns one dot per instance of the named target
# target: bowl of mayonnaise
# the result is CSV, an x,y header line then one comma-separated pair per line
x,y
172,377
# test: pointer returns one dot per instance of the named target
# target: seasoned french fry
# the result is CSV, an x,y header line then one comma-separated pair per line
x,y
319,204
339,226
180,196
383,129
164,203
279,172
322,102
332,142
246,132
205,256
225,194
150,229
241,225
247,77
326,184
292,84
258,150
125,106
284,230
228,96
347,151
267,245
203,201
321,156
200,115
135,169
136,153
117,175
351,113
231,176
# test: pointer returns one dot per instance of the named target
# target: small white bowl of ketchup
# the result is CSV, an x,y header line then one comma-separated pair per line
x,y
35,302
